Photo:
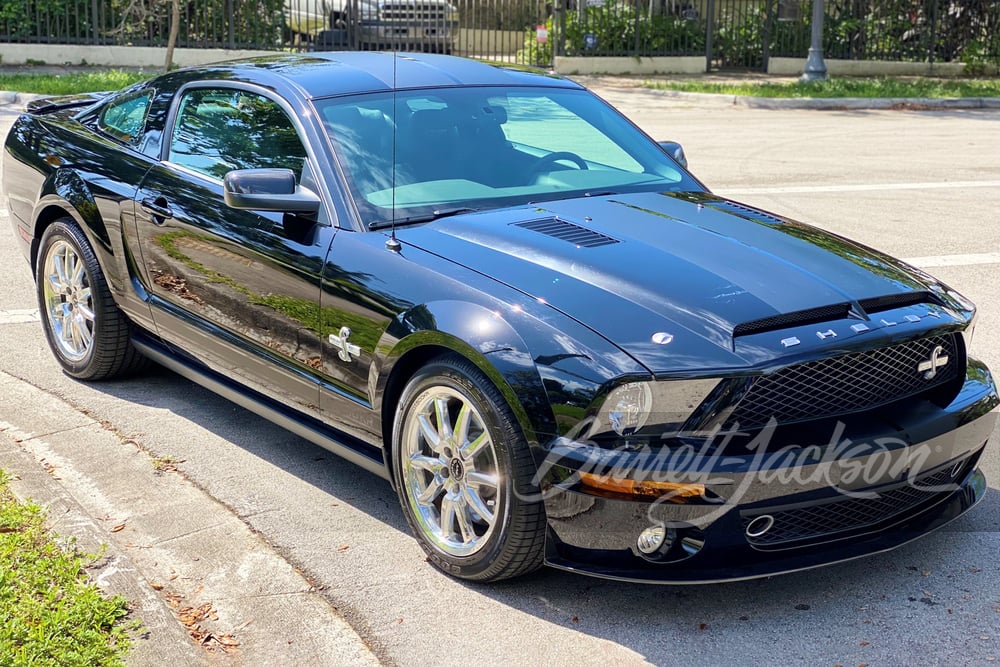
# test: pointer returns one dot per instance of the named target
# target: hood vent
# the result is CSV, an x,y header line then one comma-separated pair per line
x,y
745,211
579,236
879,303
833,312
836,311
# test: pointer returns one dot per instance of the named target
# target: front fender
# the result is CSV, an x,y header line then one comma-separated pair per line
x,y
487,340
548,367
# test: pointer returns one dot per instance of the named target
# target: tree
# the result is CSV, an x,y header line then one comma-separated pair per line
x,y
175,27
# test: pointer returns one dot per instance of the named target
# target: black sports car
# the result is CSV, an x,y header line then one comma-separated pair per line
x,y
487,286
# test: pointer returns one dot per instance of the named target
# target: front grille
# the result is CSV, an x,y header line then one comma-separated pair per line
x,y
415,12
848,383
848,514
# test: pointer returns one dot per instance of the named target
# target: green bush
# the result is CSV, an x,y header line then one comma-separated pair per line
x,y
617,30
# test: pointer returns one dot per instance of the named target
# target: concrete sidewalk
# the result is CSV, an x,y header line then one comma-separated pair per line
x,y
637,84
207,590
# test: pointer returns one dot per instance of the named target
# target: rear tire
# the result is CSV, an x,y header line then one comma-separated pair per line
x,y
89,336
464,475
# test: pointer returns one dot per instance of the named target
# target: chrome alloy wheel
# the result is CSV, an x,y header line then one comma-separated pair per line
x,y
450,471
67,299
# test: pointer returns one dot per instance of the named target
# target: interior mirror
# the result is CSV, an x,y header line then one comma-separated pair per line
x,y
268,190
676,151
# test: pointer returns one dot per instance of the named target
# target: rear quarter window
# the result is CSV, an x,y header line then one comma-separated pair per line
x,y
124,118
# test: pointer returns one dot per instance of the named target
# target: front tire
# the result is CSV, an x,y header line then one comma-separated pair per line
x,y
89,336
464,475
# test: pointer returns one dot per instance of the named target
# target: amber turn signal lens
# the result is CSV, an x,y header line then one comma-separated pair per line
x,y
676,492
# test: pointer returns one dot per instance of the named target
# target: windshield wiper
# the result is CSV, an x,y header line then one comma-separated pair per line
x,y
426,217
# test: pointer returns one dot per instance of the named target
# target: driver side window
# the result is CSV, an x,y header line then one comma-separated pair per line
x,y
218,130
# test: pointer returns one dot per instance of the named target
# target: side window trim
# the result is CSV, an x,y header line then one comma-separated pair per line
x,y
179,96
310,164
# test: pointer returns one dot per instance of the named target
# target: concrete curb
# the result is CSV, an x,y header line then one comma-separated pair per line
x,y
10,98
187,564
830,104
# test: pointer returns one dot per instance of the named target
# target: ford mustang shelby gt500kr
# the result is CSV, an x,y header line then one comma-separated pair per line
x,y
489,287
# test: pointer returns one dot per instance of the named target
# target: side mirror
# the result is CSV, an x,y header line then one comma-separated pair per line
x,y
268,190
676,151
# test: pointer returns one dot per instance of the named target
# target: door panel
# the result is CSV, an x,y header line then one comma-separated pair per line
x,y
238,290
233,288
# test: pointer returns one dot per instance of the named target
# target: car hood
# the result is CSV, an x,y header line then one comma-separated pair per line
x,y
692,266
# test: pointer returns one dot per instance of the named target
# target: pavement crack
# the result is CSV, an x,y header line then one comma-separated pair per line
x,y
190,533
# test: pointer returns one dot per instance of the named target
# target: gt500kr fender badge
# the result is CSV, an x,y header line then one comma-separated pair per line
x,y
930,367
340,342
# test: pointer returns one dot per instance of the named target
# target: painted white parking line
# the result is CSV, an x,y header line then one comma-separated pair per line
x,y
860,187
19,316
954,260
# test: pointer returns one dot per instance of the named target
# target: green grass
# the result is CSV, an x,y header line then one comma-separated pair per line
x,y
844,87
49,613
72,83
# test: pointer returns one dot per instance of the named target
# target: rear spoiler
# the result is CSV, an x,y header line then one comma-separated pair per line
x,y
46,105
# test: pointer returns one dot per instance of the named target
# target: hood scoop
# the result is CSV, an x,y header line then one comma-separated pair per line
x,y
560,229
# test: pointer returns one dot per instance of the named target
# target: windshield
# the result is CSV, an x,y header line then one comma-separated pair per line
x,y
419,152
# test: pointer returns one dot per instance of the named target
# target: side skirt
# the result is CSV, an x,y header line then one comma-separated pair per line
x,y
343,445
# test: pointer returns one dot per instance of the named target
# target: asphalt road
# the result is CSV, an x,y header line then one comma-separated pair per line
x,y
920,185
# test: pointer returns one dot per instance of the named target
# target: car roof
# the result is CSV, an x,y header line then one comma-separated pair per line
x,y
325,74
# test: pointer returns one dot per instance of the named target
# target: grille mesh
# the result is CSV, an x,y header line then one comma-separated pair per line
x,y
847,514
844,384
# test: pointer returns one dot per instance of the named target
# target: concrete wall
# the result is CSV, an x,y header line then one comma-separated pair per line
x,y
794,67
630,65
486,43
123,56
483,43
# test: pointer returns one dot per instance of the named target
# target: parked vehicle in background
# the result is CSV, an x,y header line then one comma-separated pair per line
x,y
411,25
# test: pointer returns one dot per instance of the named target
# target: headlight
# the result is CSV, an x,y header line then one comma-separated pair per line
x,y
629,406
650,411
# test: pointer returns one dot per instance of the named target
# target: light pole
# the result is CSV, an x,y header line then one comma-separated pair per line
x,y
815,67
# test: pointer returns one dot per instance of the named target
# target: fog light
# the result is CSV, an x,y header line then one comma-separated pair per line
x,y
760,525
653,538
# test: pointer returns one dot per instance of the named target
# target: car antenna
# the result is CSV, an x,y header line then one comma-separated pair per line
x,y
392,244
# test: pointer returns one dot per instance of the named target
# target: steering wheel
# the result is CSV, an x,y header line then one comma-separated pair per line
x,y
545,163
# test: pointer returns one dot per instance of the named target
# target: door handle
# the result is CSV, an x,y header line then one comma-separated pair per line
x,y
158,208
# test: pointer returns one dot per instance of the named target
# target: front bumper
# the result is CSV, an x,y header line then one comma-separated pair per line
x,y
877,484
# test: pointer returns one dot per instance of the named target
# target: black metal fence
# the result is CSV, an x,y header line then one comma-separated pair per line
x,y
728,33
